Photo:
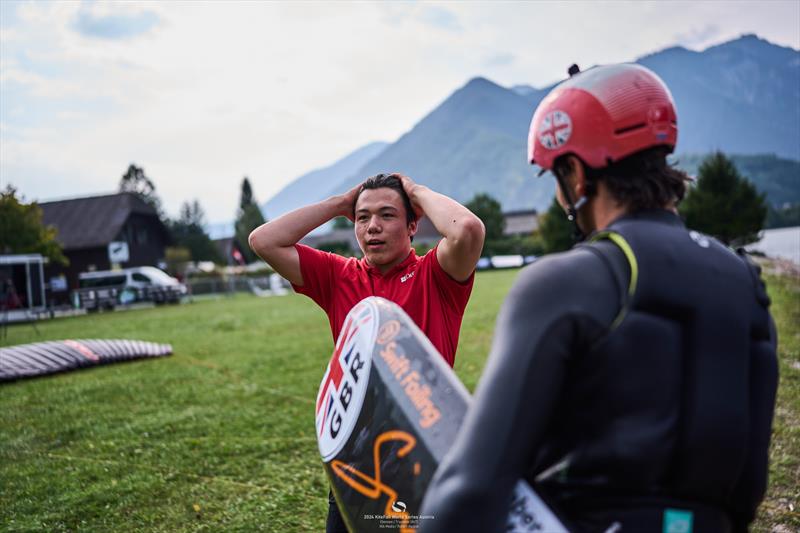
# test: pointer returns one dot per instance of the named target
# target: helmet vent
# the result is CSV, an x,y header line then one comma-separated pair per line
x,y
626,129
624,100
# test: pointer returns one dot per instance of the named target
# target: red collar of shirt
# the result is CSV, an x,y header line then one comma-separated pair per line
x,y
373,270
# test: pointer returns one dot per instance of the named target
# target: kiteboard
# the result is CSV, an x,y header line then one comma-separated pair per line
x,y
42,358
387,412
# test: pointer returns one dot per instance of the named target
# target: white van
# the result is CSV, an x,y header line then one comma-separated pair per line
x,y
108,288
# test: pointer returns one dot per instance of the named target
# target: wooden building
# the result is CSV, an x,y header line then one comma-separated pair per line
x,y
521,222
101,233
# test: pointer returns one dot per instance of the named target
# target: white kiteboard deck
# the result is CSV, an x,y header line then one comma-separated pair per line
x,y
387,412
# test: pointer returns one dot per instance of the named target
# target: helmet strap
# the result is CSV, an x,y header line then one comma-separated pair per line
x,y
572,209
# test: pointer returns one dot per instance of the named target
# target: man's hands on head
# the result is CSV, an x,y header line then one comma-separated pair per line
x,y
412,189
275,241
348,203
457,253
463,232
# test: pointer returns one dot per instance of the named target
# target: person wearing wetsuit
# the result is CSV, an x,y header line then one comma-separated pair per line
x,y
632,379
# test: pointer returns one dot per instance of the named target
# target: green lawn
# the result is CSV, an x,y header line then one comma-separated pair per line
x,y
220,436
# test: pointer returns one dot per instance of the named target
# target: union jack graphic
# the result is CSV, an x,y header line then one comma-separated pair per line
x,y
335,371
555,130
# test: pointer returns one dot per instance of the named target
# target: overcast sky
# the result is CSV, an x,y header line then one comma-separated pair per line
x,y
203,94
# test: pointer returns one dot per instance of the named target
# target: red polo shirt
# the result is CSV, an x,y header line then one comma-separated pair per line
x,y
433,300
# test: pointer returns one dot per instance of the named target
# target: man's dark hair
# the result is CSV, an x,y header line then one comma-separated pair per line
x,y
644,180
390,181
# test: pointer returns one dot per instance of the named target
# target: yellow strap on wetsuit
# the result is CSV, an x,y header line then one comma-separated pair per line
x,y
620,241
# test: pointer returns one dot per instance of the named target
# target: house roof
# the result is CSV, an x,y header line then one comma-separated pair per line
x,y
520,212
521,222
94,221
426,232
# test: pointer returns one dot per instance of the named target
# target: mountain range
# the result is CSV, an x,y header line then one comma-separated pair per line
x,y
319,181
741,97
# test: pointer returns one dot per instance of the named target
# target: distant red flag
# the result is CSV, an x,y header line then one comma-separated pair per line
x,y
237,256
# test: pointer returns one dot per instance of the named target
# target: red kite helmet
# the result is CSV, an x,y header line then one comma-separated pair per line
x,y
603,115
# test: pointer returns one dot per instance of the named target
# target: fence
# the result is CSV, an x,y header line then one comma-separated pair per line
x,y
260,286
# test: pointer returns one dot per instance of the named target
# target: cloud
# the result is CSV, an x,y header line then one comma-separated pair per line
x,y
71,115
284,87
698,37
114,26
500,60
8,14
441,18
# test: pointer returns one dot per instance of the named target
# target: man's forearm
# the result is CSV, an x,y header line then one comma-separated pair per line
x,y
288,229
463,232
449,217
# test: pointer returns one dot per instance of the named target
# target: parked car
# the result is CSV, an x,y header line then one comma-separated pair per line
x,y
108,288
507,261
484,263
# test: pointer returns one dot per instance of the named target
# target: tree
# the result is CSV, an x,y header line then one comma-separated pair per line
x,y
188,232
342,248
556,230
783,217
528,244
22,230
192,214
177,258
723,203
248,218
490,212
136,181
342,223
247,194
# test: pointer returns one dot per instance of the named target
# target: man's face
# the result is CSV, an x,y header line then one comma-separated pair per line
x,y
381,228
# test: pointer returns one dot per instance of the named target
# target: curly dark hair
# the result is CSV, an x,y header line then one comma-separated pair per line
x,y
390,181
643,180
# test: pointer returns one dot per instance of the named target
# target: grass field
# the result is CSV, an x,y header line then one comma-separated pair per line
x,y
220,436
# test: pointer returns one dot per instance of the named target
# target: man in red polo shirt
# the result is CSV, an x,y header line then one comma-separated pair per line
x,y
432,289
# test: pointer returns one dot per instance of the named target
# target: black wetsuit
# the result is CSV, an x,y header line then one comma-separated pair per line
x,y
631,377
